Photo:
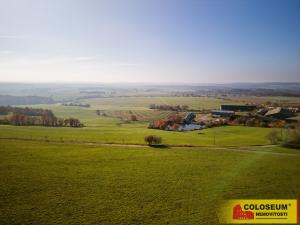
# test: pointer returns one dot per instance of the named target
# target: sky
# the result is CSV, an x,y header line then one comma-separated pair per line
x,y
160,41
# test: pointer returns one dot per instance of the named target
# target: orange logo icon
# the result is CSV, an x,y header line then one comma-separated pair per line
x,y
239,214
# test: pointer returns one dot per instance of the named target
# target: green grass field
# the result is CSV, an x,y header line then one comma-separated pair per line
x,y
144,102
79,184
61,175
115,130
135,133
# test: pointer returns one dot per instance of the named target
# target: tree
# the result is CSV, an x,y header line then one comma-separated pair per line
x,y
153,140
60,122
17,119
273,137
133,118
264,124
175,118
293,139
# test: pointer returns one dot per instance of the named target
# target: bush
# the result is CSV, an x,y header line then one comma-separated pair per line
x,y
133,118
264,124
273,137
293,139
294,142
153,140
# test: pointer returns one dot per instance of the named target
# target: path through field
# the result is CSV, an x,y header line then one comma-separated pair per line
x,y
245,148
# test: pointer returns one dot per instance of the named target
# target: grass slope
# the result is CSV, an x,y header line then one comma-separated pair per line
x,y
76,184
134,134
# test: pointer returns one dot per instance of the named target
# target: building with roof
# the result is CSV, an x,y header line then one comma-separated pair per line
x,y
279,113
222,113
189,118
238,108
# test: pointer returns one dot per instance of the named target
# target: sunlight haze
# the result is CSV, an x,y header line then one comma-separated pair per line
x,y
149,41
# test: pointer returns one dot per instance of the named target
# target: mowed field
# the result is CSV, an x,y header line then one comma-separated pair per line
x,y
46,183
52,175
135,133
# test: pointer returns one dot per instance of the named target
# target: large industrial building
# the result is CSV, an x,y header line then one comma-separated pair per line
x,y
238,108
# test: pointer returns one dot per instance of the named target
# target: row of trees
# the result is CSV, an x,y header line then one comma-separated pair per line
x,y
4,110
253,121
19,119
32,116
169,107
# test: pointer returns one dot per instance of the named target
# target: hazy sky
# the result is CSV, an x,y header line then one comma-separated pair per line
x,y
150,40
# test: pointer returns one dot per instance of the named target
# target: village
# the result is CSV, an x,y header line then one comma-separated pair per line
x,y
246,115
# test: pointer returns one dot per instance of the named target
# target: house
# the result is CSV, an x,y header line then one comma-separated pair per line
x,y
238,108
222,113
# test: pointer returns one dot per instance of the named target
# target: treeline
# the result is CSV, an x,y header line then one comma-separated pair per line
x,y
75,104
169,107
24,100
35,117
4,110
256,121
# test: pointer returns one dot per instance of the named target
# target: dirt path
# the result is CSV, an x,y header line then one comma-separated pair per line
x,y
245,148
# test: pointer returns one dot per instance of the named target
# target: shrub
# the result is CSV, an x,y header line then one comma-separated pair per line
x,y
293,139
294,142
264,124
273,137
133,118
153,140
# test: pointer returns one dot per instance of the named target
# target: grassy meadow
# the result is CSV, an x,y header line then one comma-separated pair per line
x,y
144,102
80,184
59,175
135,133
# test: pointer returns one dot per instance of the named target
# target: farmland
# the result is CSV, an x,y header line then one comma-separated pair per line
x,y
149,112
114,129
144,102
104,173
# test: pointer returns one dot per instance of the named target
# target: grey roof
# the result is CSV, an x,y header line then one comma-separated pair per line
x,y
296,118
222,111
273,111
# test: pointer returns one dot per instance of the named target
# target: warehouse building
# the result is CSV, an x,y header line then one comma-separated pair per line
x,y
238,108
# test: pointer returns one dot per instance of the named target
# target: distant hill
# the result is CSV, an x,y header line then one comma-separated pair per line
x,y
24,100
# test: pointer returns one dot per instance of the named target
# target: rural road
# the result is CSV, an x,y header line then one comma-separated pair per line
x,y
244,148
